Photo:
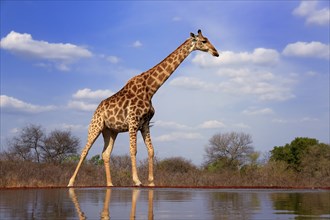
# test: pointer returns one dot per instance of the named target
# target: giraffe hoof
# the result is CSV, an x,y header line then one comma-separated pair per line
x,y
151,184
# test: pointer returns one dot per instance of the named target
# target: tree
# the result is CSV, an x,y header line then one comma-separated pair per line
x,y
58,145
96,160
27,144
32,144
316,161
293,153
228,150
176,165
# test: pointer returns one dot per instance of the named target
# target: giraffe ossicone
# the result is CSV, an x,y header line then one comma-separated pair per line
x,y
130,109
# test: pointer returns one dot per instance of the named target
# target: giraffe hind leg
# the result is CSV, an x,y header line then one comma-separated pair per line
x,y
109,140
133,151
92,136
147,140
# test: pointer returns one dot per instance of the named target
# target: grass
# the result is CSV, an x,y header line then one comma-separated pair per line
x,y
169,172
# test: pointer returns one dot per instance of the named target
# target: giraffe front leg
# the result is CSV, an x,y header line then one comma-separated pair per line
x,y
147,140
93,132
133,151
82,158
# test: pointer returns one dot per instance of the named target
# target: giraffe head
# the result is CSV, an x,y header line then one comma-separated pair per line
x,y
203,44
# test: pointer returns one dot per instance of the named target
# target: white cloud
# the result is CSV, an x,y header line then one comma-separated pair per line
x,y
256,111
15,131
243,73
244,81
113,59
178,136
309,119
82,106
13,104
192,83
178,126
176,19
88,100
89,94
279,121
242,125
137,44
212,124
60,53
264,84
308,9
170,124
74,127
305,49
259,56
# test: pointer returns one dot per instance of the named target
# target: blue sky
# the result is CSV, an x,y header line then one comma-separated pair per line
x,y
59,59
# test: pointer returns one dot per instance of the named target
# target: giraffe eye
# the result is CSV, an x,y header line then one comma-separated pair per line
x,y
204,41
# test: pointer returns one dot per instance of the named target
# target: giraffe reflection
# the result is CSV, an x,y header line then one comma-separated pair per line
x,y
105,213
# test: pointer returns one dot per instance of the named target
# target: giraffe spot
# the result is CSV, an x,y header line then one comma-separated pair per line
x,y
120,105
129,95
120,112
141,96
164,65
140,103
150,80
121,118
154,85
134,88
161,77
159,68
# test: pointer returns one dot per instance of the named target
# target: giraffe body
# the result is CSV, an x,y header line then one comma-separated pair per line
x,y
130,109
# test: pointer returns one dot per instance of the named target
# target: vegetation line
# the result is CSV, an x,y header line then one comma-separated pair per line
x,y
35,159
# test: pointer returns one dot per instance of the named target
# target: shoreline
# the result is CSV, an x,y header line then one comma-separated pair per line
x,y
176,187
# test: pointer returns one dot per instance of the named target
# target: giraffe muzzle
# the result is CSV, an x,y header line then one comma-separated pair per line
x,y
214,52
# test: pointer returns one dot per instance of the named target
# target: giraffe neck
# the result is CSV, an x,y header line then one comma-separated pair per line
x,y
156,76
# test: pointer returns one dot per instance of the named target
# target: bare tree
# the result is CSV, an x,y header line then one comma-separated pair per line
x,y
58,145
27,144
230,150
33,144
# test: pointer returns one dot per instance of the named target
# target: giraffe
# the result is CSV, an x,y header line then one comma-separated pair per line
x,y
130,109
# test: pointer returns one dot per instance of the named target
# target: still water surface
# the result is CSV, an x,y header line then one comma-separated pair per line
x,y
160,203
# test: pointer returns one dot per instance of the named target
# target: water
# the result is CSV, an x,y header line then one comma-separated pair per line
x,y
160,203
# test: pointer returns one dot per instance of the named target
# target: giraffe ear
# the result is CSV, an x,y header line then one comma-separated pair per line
x,y
193,36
